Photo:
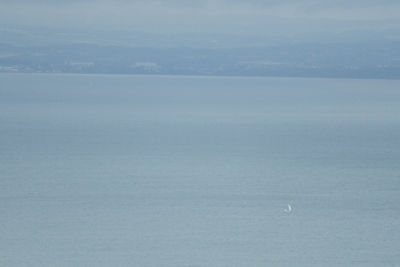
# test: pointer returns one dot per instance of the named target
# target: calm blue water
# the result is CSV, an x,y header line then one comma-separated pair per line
x,y
184,171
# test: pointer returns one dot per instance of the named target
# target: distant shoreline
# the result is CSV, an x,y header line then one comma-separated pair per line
x,y
198,75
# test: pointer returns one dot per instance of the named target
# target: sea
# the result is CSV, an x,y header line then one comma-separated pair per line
x,y
179,171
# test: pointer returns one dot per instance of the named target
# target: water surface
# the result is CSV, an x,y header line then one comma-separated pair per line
x,y
197,171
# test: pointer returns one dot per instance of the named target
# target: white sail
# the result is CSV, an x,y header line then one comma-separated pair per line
x,y
289,208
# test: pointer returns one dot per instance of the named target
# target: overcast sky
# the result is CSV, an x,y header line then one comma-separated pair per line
x,y
217,16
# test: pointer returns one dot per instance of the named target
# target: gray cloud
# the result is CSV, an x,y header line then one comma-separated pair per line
x,y
203,16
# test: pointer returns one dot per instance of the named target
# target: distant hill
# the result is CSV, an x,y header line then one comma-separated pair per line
x,y
379,59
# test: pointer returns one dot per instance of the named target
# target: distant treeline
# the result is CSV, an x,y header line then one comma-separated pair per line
x,y
356,60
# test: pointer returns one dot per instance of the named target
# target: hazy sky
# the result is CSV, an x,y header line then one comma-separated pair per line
x,y
217,16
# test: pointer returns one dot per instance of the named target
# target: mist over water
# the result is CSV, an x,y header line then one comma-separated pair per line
x,y
197,171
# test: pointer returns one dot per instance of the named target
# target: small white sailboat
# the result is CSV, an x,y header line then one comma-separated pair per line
x,y
288,209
